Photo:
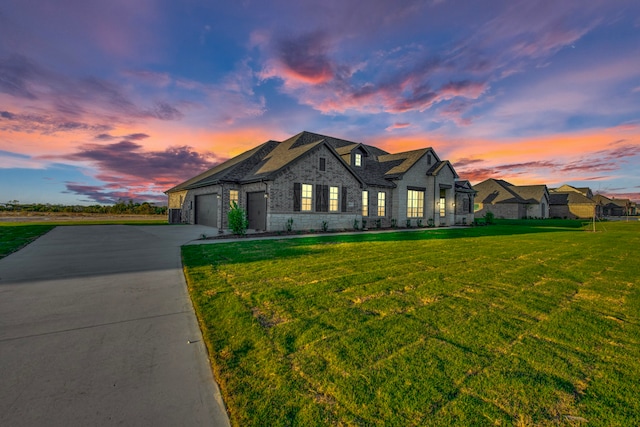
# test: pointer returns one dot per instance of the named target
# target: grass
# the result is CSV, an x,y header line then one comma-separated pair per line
x,y
16,235
499,325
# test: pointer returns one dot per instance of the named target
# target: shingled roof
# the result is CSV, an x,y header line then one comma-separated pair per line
x,y
569,197
267,160
501,191
529,193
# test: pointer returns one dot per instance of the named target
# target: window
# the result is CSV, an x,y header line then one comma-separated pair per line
x,y
443,203
428,159
415,203
381,204
365,203
333,199
307,196
323,164
233,197
465,206
357,159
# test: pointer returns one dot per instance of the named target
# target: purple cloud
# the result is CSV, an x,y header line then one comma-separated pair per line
x,y
466,161
305,58
104,194
75,98
130,172
45,124
127,159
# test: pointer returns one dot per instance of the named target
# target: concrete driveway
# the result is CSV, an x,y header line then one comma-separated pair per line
x,y
96,328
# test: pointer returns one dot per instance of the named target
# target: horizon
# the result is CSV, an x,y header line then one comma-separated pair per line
x,y
101,102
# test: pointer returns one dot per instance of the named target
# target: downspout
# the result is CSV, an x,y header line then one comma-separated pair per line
x,y
266,203
221,208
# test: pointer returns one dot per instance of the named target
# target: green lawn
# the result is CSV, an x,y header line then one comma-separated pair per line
x,y
14,237
498,325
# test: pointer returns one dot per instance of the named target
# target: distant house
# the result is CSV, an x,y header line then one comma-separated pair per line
x,y
585,191
609,207
616,207
465,196
311,179
572,202
506,200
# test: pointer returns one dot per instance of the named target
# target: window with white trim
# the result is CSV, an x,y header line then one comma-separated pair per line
x,y
381,203
415,204
307,197
365,203
443,203
333,199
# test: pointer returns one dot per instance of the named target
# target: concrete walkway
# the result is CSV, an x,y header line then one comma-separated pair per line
x,y
96,328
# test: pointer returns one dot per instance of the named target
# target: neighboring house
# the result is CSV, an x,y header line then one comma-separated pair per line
x,y
309,179
624,207
585,191
572,202
465,196
571,205
506,200
610,207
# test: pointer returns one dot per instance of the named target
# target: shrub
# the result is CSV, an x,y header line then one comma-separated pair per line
x,y
364,224
290,224
356,224
394,223
488,217
431,223
419,223
408,223
238,221
378,223
325,225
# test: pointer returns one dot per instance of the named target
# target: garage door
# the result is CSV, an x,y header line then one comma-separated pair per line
x,y
257,210
207,210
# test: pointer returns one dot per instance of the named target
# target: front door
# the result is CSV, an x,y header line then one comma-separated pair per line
x,y
257,210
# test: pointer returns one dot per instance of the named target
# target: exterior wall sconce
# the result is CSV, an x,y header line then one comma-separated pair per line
x,y
266,196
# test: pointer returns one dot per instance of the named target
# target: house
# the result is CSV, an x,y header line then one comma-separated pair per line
x,y
465,196
616,207
506,200
610,207
567,201
585,191
311,180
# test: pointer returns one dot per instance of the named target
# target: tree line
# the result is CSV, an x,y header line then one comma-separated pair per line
x,y
121,207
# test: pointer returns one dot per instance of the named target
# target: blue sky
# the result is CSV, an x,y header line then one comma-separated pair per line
x,y
101,101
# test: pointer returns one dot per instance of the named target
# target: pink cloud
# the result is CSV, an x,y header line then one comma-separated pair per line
x,y
397,126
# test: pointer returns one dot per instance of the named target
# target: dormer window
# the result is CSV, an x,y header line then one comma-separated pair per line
x,y
357,160
428,159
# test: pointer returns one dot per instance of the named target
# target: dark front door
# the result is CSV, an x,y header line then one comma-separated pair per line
x,y
257,210
207,210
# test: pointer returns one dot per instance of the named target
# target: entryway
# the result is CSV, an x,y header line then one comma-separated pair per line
x,y
257,210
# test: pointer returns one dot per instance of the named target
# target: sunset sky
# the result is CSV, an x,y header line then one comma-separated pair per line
x,y
120,99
